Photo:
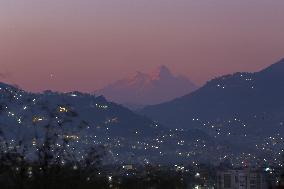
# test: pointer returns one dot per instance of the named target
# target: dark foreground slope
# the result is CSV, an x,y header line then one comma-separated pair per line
x,y
85,121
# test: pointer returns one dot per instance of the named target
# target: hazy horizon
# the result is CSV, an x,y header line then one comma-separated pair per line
x,y
85,45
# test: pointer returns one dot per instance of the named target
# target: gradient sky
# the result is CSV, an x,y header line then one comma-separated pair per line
x,y
84,44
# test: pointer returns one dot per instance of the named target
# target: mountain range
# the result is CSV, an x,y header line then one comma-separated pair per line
x,y
238,117
147,89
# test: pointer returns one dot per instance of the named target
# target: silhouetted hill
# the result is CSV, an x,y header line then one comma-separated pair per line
x,y
256,99
85,121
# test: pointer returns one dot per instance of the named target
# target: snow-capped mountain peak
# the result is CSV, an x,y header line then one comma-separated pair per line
x,y
141,88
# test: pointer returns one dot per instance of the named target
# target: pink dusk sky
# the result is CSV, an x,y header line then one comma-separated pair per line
x,y
83,45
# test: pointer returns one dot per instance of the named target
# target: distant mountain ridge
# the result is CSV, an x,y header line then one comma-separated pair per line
x,y
255,98
146,89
